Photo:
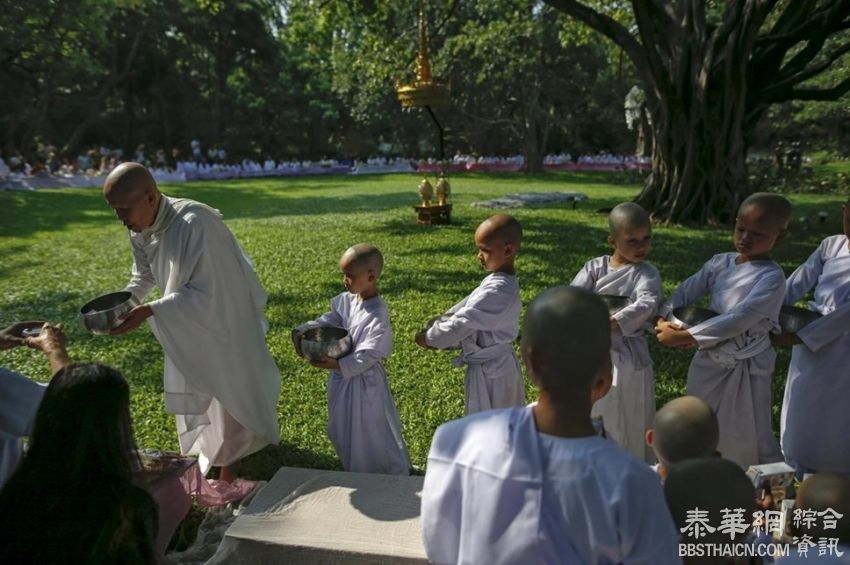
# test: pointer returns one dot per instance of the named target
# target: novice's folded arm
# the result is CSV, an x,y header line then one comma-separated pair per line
x,y
635,315
481,314
761,303
804,277
824,330
692,289
358,362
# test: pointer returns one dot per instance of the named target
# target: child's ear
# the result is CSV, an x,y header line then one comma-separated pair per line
x,y
510,249
611,240
649,437
372,275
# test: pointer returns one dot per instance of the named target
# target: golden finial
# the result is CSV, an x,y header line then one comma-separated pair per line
x,y
425,90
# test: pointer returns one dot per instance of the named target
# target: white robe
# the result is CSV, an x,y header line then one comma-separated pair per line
x,y
220,379
485,324
363,422
19,401
497,491
732,370
815,414
628,409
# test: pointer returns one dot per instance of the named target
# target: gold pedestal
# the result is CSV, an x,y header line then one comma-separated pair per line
x,y
433,215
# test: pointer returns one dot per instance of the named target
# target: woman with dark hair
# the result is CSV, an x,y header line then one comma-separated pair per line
x,y
72,498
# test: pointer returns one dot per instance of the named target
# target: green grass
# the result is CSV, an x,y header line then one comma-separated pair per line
x,y
59,248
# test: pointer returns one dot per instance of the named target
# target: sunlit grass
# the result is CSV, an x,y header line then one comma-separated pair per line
x,y
59,248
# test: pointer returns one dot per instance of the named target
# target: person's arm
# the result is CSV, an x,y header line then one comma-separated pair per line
x,y
16,334
375,345
824,330
804,277
585,278
761,302
442,506
648,534
484,312
648,296
141,281
53,343
692,289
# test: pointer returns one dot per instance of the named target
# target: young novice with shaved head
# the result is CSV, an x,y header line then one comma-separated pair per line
x,y
627,410
221,382
486,323
684,428
817,392
363,423
732,369
820,521
535,484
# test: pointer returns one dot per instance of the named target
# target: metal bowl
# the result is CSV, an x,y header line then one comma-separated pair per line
x,y
441,318
689,316
793,319
614,303
102,314
327,341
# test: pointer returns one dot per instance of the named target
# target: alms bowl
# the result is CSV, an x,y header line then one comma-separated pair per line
x,y
325,341
793,319
614,303
103,313
689,316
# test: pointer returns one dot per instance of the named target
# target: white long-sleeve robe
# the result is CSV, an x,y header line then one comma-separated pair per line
x,y
732,370
220,379
485,324
363,422
497,491
628,409
815,413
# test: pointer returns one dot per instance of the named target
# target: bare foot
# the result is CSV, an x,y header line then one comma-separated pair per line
x,y
227,473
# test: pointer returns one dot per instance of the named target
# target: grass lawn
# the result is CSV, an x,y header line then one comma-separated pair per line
x,y
60,248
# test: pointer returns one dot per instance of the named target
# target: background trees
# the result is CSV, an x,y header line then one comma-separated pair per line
x,y
711,70
307,78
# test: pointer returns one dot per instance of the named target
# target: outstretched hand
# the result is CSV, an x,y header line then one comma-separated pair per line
x,y
421,340
132,319
16,334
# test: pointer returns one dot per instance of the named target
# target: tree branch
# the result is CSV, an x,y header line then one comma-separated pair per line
x,y
825,94
608,27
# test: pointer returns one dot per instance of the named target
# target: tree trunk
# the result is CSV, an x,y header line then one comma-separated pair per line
x,y
699,173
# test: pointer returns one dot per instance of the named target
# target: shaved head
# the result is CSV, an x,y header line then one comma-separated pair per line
x,y
501,226
365,256
772,206
685,428
131,192
129,179
566,339
820,492
627,215
708,484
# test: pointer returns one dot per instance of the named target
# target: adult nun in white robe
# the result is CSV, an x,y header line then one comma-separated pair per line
x,y
485,325
733,367
221,382
628,409
815,414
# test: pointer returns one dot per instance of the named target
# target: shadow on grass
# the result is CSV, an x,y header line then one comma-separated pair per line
x,y
265,463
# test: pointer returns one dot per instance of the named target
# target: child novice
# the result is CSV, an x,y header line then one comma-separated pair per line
x,y
733,366
817,392
486,322
363,423
629,407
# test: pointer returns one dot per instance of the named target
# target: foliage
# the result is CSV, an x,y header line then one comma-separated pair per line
x,y
61,247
